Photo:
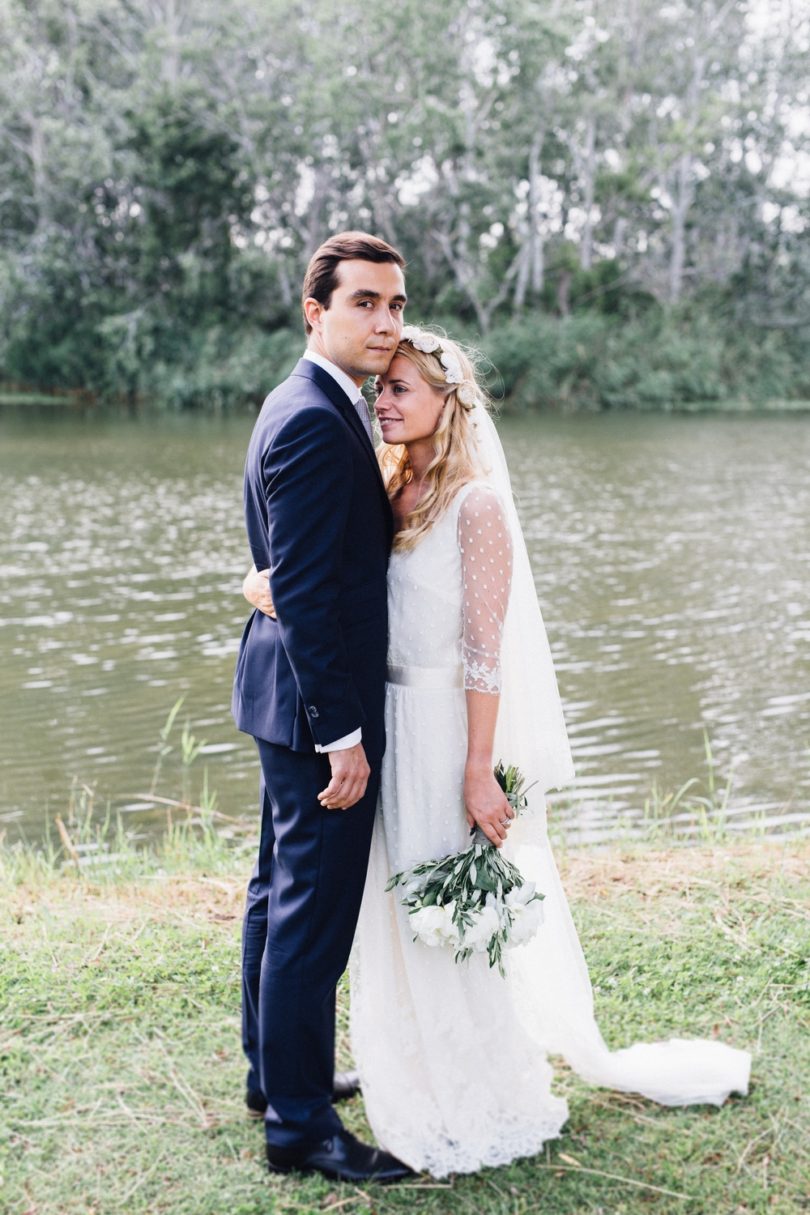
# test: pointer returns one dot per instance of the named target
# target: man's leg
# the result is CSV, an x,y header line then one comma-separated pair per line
x,y
254,939
318,866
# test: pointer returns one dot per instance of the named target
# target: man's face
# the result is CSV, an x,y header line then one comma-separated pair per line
x,y
360,329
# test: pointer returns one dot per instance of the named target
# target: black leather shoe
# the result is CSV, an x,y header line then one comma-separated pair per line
x,y
346,1085
255,1102
340,1158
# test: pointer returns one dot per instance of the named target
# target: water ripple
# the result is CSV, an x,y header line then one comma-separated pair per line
x,y
671,558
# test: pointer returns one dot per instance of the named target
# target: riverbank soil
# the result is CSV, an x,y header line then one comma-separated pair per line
x,y
121,1076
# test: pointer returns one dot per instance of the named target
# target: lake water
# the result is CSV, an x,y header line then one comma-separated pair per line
x,y
672,559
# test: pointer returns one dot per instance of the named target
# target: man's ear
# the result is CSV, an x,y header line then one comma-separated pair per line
x,y
312,311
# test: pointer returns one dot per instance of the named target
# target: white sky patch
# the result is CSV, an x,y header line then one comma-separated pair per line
x,y
420,181
490,239
792,171
549,204
305,190
576,221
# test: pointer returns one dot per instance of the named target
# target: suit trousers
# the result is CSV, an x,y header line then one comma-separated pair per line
x,y
301,912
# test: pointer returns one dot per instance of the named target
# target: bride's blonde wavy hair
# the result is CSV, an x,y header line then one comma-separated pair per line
x,y
454,461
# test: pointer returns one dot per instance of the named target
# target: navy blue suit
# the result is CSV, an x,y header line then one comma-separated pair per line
x,y
318,517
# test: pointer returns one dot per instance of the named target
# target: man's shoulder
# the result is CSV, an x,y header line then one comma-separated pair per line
x,y
298,410
296,395
297,388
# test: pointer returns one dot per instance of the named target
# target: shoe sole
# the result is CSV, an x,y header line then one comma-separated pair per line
x,y
333,1175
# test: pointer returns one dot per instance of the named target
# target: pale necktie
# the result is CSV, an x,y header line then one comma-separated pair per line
x,y
362,413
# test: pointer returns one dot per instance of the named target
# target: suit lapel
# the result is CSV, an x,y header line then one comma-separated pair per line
x,y
331,389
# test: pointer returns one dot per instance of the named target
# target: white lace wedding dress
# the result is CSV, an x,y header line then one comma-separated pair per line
x,y
453,1057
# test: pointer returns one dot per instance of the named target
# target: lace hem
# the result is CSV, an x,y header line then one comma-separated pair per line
x,y
442,1156
482,676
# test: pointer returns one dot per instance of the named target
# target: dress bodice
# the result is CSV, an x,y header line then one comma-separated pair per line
x,y
447,596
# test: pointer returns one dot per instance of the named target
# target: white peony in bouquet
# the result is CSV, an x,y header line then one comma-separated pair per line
x,y
474,901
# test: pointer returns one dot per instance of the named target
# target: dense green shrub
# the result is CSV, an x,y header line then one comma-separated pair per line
x,y
223,369
658,360
544,362
180,353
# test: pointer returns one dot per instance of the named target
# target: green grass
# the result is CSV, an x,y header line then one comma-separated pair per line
x,y
121,1074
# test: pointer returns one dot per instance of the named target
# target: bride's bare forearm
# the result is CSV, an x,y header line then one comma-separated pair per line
x,y
484,799
482,715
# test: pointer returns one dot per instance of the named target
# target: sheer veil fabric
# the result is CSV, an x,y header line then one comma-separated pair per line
x,y
553,988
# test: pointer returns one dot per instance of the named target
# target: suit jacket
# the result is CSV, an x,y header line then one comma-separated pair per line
x,y
318,517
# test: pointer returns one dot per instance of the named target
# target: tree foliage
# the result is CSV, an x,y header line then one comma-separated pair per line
x,y
615,191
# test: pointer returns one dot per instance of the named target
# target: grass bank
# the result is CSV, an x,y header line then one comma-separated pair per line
x,y
121,1074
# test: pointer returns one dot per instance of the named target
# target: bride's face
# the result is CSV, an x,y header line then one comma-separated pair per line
x,y
408,408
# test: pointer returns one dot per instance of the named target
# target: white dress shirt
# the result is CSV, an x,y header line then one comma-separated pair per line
x,y
353,393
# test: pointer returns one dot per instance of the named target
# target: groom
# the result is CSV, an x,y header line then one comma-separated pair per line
x,y
310,687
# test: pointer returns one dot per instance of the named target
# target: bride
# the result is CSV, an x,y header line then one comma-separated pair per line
x,y
452,1056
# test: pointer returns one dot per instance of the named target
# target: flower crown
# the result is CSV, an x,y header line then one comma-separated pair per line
x,y
429,343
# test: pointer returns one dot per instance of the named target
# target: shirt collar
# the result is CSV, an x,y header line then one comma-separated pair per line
x,y
343,381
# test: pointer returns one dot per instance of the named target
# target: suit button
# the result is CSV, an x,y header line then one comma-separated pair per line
x,y
313,712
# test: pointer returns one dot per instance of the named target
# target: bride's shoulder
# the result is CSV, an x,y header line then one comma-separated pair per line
x,y
481,519
476,496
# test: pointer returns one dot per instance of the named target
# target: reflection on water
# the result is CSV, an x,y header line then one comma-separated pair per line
x,y
671,557
672,554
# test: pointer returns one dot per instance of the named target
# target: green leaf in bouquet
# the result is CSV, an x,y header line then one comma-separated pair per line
x,y
485,881
513,783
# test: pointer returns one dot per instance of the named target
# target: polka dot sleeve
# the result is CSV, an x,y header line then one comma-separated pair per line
x,y
486,566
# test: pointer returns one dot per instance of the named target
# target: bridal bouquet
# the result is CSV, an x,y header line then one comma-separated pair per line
x,y
474,901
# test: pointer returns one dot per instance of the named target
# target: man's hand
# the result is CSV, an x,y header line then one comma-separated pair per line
x,y
350,773
486,803
256,589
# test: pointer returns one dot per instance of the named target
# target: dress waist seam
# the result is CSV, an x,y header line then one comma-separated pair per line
x,y
429,678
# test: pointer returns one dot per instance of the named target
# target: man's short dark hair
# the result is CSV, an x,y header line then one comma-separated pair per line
x,y
321,277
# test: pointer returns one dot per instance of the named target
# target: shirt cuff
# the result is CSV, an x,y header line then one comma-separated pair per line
x,y
341,744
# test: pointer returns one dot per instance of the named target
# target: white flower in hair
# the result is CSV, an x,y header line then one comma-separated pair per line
x,y
429,343
420,339
452,367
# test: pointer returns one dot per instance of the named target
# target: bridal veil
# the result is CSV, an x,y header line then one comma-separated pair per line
x,y
552,988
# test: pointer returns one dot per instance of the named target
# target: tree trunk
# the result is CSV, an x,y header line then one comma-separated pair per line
x,y
521,279
564,293
681,202
536,249
37,154
619,230
589,174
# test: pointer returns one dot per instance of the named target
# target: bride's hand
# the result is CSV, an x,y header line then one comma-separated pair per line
x,y
486,803
256,589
